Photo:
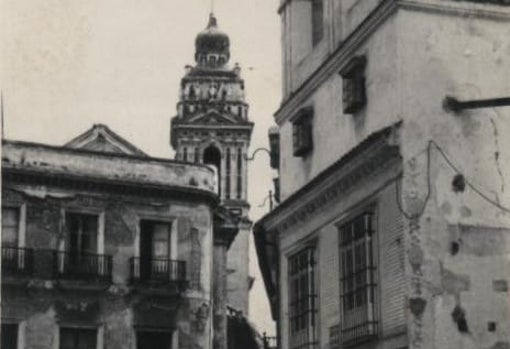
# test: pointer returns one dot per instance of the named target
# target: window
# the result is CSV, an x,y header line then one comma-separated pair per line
x,y
9,336
302,300
157,246
10,226
353,82
83,234
227,174
197,155
78,338
152,339
185,154
317,21
239,173
358,279
302,132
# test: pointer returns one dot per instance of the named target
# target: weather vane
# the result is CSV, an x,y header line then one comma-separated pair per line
x,y
212,6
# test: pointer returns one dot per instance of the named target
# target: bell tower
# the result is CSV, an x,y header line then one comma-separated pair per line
x,y
212,127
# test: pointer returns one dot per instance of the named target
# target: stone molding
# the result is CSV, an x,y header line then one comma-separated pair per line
x,y
377,158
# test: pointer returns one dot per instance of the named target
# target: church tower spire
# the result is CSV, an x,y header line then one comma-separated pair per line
x,y
212,127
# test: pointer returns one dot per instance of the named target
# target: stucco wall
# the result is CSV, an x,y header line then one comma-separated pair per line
x,y
238,262
458,248
335,133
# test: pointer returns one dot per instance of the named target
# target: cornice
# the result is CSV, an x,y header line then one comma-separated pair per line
x,y
342,54
466,8
305,208
372,156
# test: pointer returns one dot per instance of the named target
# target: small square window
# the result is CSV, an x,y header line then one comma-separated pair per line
x,y
353,82
302,132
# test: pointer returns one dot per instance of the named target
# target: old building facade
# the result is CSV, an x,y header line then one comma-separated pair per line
x,y
393,229
212,127
106,247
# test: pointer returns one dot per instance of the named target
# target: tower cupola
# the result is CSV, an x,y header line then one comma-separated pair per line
x,y
212,46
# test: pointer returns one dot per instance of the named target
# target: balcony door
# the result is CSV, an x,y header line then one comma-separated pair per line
x,y
80,258
154,249
83,231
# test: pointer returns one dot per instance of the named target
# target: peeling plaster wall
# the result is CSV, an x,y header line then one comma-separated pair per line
x,y
458,249
45,304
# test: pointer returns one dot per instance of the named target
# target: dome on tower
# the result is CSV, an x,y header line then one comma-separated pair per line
x,y
212,46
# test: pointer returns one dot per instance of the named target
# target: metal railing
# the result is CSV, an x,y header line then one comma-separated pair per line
x,y
17,260
157,269
83,266
269,342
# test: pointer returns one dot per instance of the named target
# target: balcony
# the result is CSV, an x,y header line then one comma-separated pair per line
x,y
17,261
84,266
158,271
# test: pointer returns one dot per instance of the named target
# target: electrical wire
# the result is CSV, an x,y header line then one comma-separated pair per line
x,y
427,197
468,183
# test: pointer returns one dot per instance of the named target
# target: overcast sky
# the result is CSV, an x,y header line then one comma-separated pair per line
x,y
69,64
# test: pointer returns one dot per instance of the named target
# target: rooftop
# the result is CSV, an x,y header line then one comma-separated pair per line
x,y
133,170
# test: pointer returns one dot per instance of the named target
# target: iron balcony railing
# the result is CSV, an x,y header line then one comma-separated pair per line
x,y
157,270
269,342
17,260
83,266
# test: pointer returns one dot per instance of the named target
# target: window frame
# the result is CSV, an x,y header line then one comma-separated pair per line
x,y
306,314
20,331
22,216
354,96
317,18
302,132
368,292
98,334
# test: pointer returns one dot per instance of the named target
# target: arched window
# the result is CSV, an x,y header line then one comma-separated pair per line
x,y
212,156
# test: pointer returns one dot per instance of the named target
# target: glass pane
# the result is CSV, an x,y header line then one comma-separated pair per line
x,y
10,222
161,240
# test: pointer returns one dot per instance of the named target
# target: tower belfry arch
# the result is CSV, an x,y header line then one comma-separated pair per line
x,y
212,127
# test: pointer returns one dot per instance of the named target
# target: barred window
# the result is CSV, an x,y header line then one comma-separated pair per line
x,y
302,132
358,280
353,85
302,300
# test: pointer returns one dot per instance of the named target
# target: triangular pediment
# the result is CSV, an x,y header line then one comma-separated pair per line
x,y
212,117
101,138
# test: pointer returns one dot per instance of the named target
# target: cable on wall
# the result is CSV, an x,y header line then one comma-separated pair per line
x,y
443,154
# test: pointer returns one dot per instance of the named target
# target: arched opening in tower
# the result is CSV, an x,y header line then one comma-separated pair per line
x,y
212,156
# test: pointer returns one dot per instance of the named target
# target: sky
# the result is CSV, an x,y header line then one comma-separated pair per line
x,y
66,65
